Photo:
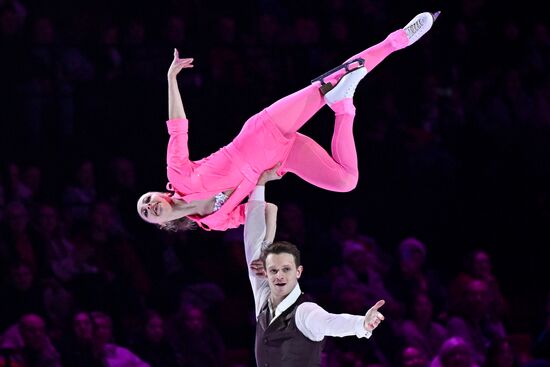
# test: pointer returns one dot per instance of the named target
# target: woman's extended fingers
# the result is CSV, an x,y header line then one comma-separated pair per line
x,y
187,63
183,63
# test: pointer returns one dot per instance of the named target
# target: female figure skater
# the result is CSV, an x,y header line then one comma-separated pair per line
x,y
209,192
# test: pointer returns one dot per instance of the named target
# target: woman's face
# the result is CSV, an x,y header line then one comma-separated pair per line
x,y
155,207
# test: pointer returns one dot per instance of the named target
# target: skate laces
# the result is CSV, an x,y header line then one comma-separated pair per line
x,y
413,28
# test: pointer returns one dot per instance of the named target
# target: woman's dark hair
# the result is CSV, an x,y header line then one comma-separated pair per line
x,y
176,225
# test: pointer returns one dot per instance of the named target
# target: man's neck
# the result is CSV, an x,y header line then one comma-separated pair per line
x,y
289,297
275,301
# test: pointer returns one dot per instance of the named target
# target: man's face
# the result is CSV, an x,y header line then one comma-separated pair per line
x,y
282,273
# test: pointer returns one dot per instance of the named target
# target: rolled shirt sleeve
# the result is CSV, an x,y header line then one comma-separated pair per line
x,y
254,237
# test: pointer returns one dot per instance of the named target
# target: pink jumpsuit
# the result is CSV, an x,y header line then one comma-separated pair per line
x,y
267,138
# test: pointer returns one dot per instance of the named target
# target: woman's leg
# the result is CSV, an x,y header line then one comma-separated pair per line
x,y
309,160
312,163
375,54
291,112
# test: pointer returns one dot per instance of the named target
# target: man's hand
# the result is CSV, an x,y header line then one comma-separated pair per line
x,y
270,175
373,318
257,267
178,64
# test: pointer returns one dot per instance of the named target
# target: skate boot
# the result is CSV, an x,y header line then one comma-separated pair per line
x,y
349,67
345,88
420,25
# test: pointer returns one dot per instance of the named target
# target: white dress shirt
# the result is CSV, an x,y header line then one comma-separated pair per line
x,y
311,319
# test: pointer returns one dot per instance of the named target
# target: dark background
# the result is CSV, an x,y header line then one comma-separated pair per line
x,y
452,133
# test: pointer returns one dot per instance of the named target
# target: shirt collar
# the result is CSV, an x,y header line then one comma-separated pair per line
x,y
287,302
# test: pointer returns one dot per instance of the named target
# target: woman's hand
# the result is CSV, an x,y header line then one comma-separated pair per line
x,y
257,267
178,64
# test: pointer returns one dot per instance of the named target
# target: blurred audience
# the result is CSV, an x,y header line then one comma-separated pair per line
x,y
152,345
28,344
455,144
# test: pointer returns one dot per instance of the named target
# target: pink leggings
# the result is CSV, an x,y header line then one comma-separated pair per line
x,y
307,159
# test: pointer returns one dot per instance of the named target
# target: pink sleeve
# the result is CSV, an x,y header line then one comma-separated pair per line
x,y
233,219
236,217
177,153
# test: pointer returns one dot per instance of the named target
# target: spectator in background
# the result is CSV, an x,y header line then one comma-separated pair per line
x,y
360,270
455,352
152,345
61,260
75,346
412,275
16,240
419,329
411,356
123,188
478,265
110,354
26,183
472,321
541,341
28,344
47,97
115,279
80,194
501,354
196,338
21,295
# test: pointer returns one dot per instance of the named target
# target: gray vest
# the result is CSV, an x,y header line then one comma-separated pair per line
x,y
281,344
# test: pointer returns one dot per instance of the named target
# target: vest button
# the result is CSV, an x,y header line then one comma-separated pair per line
x,y
265,340
266,364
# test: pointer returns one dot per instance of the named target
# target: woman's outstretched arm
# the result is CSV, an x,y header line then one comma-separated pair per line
x,y
177,154
175,105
